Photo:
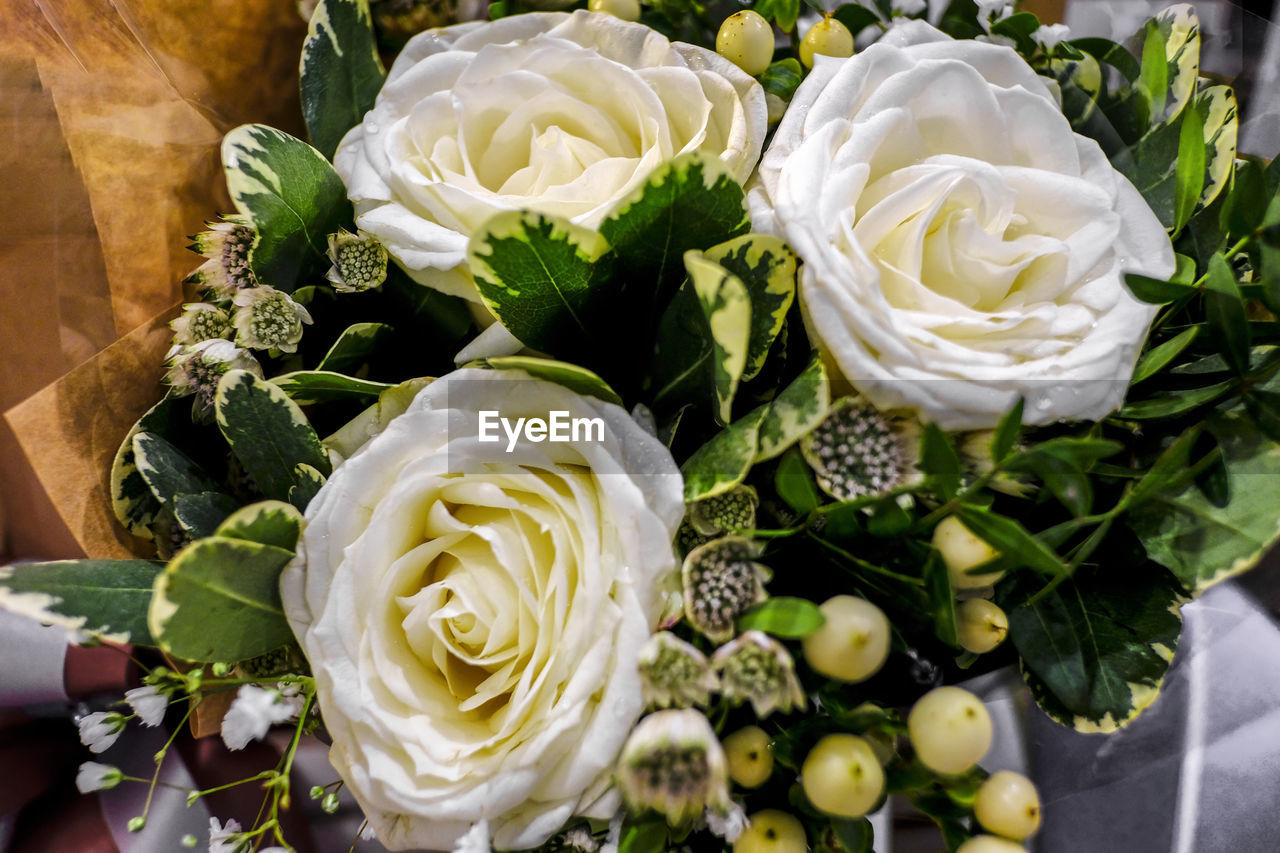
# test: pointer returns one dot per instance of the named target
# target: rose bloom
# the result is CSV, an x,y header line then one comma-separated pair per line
x,y
962,246
565,114
473,617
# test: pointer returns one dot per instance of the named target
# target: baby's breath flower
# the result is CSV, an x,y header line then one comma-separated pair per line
x,y
359,262
253,712
197,369
268,319
757,668
673,764
99,730
226,245
148,703
93,776
200,321
673,672
1050,36
721,580
859,451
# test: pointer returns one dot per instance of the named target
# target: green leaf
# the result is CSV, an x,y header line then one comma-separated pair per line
x,y
306,486
575,378
292,197
680,371
1201,543
391,403
942,599
1066,481
1157,358
794,483
219,600
1095,650
1105,50
782,78
726,306
940,462
1176,403
1225,311
1170,467
855,17
307,387
799,408
1007,432
1178,29
134,504
340,71
1221,127
272,523
1153,79
768,269
691,202
107,599
167,470
649,836
789,618
1011,539
267,432
200,513
1156,291
1247,200
541,277
723,462
1189,175
1264,408
354,346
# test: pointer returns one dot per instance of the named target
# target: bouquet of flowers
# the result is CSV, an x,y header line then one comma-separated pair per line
x,y
623,428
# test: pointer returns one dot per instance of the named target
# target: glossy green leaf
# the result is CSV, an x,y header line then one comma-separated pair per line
x,y
1177,28
107,599
799,408
1225,312
1157,358
167,470
793,481
307,483
1175,403
307,387
1189,174
1156,291
1011,539
789,618
272,523
200,513
723,462
340,71
767,267
942,599
354,347
940,462
1007,431
575,378
134,504
1221,128
782,78
726,306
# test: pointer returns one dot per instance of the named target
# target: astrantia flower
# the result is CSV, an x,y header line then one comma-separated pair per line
x,y
268,319
253,712
93,776
148,703
359,262
673,672
733,510
226,245
99,730
858,451
200,321
721,580
757,668
674,764
197,370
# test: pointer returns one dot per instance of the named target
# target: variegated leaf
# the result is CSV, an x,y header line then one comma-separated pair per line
x,y
724,461
266,522
1221,127
107,599
726,305
798,409
168,471
132,500
571,376
391,404
290,194
1180,28
767,266
306,485
306,387
340,73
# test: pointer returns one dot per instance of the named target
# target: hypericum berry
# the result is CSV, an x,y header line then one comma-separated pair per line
x,y
842,777
674,673
721,580
359,262
200,321
226,245
853,642
750,759
197,370
733,510
757,668
627,10
1009,805
858,451
772,831
673,763
828,37
961,550
268,319
981,625
746,39
950,729
990,844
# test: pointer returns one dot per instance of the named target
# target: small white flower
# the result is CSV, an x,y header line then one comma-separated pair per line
x,y
1050,36
226,245
476,839
580,838
252,714
223,839
100,729
148,703
728,824
267,318
909,7
200,321
197,369
93,776
999,9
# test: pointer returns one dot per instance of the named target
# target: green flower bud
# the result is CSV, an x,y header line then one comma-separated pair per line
x,y
200,321
268,319
359,262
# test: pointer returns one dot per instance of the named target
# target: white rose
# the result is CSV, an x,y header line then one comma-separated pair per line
x,y
962,246
473,617
560,113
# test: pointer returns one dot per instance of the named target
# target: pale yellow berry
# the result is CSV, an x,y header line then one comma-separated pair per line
x,y
981,625
746,39
961,550
627,10
950,729
750,760
772,831
842,777
990,844
1009,805
854,641
828,37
